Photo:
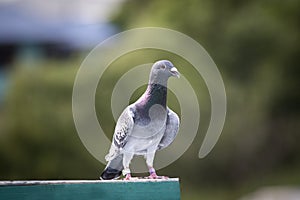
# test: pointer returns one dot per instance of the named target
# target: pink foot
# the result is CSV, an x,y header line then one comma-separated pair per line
x,y
128,176
154,176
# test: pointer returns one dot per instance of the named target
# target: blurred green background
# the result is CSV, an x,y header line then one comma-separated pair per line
x,y
255,44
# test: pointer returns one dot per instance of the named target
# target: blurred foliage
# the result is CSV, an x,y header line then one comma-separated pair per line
x,y
255,44
40,140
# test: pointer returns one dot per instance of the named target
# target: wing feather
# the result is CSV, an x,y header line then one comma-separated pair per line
x,y
123,127
172,127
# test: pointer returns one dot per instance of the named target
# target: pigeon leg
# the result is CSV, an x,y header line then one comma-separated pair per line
x,y
127,157
149,161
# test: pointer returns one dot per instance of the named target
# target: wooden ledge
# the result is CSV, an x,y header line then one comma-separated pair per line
x,y
91,189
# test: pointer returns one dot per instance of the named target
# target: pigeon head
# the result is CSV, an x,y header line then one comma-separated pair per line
x,y
161,71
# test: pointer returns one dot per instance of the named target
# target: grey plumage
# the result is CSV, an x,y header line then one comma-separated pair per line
x,y
171,131
145,126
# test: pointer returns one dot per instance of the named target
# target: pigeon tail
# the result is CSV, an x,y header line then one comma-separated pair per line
x,y
113,169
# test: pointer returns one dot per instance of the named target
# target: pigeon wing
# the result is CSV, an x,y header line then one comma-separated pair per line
x,y
172,126
124,127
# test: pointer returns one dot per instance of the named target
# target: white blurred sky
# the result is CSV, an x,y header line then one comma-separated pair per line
x,y
83,11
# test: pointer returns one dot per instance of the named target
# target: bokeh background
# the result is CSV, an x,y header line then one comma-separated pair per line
x,y
255,44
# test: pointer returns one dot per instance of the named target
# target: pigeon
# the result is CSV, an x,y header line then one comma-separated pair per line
x,y
144,127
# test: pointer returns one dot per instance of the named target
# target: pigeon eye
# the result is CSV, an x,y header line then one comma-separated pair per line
x,y
163,67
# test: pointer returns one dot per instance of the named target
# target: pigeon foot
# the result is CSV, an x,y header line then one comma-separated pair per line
x,y
128,177
154,176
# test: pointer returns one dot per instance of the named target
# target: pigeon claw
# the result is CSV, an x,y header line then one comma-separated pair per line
x,y
154,176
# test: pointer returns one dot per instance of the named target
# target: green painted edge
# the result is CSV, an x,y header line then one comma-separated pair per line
x,y
77,190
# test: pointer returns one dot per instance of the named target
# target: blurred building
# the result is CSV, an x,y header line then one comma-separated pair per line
x,y
52,29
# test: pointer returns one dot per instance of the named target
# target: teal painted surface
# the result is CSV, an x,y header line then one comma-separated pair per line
x,y
92,190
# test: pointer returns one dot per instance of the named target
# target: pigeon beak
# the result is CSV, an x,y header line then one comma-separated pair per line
x,y
175,72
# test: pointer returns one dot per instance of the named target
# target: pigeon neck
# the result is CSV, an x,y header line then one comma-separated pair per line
x,y
155,94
